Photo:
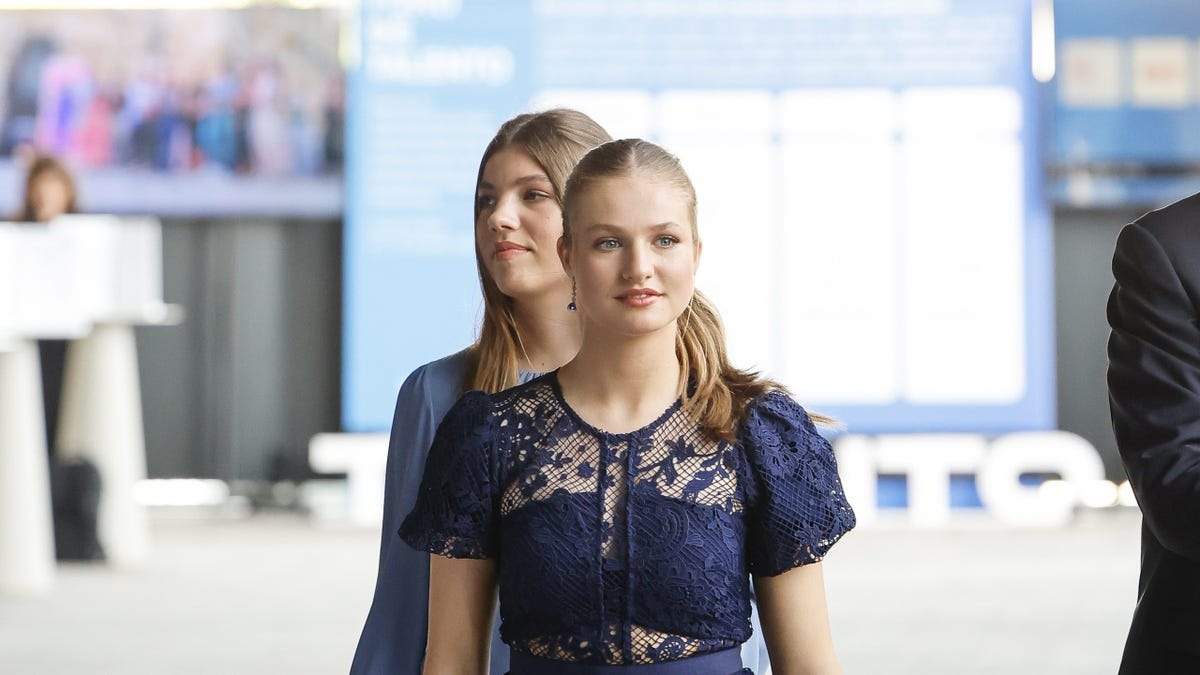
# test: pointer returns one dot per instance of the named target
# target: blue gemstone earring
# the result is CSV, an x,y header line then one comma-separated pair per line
x,y
571,306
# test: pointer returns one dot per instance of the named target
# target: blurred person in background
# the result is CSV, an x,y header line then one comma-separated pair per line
x,y
49,193
75,484
216,121
49,190
526,330
623,500
1154,397
334,120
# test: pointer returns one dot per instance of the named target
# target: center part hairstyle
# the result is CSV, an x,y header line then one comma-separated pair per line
x,y
714,392
555,139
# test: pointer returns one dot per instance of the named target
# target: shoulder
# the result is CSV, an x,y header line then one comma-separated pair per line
x,y
436,384
1158,255
447,371
1175,228
777,430
775,409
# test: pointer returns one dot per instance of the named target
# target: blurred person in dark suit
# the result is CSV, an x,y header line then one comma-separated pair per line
x,y
1154,397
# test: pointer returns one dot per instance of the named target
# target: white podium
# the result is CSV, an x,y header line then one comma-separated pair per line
x,y
92,279
39,298
101,420
26,526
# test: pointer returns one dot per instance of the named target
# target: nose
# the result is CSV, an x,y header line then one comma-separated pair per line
x,y
638,266
503,216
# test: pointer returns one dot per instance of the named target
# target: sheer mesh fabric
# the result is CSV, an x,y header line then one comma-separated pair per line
x,y
625,548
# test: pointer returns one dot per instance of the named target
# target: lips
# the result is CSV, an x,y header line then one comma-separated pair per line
x,y
639,293
639,297
506,250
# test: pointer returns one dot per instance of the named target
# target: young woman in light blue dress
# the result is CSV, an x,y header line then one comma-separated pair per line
x,y
526,329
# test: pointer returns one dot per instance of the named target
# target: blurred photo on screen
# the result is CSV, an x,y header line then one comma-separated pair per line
x,y
197,112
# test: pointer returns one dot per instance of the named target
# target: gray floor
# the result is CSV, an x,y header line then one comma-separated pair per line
x,y
271,594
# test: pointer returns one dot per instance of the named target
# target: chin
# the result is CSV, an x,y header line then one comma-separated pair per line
x,y
636,326
522,283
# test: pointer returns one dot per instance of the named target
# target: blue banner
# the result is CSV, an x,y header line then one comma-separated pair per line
x,y
875,234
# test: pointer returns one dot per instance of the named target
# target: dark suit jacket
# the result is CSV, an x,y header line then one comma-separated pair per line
x,y
1154,396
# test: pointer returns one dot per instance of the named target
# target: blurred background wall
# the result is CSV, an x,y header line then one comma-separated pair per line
x,y
228,124
312,166
265,297
238,389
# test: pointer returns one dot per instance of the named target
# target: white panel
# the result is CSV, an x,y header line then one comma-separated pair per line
x,y
733,184
841,310
839,226
623,113
975,111
1161,72
1090,73
734,115
844,114
963,281
727,154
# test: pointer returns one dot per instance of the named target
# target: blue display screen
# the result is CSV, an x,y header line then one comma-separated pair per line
x,y
874,231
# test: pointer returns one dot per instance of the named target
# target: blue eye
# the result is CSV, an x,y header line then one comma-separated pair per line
x,y
666,241
607,244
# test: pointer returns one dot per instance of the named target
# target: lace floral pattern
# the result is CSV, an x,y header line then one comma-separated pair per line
x,y
625,548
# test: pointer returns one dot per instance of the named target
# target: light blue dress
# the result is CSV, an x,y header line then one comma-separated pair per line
x,y
393,638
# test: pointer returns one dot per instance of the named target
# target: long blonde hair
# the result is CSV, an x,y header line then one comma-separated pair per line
x,y
555,139
714,392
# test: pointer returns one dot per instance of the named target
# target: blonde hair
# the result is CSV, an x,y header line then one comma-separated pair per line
x,y
555,139
714,392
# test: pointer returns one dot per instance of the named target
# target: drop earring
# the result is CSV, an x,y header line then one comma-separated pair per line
x,y
571,306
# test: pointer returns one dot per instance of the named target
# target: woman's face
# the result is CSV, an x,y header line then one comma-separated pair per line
x,y
632,254
49,197
519,225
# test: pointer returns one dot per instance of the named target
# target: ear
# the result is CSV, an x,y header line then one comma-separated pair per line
x,y
564,254
699,250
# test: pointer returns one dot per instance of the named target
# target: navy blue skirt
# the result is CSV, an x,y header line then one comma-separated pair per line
x,y
725,662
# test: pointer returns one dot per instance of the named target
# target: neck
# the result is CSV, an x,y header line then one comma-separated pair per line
x,y
549,332
624,372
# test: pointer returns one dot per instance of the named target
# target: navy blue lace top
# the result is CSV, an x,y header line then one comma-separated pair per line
x,y
625,548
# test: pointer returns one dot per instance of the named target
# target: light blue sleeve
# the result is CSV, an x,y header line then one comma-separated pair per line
x,y
754,651
393,638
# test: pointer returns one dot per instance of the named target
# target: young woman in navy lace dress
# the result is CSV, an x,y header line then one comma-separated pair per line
x,y
623,502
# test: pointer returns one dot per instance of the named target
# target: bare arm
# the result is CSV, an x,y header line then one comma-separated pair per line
x,y
795,622
461,597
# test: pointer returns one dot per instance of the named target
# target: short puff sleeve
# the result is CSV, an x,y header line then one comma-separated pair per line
x,y
455,514
797,509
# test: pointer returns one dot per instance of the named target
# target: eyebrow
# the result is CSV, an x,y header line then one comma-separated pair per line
x,y
660,226
531,178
